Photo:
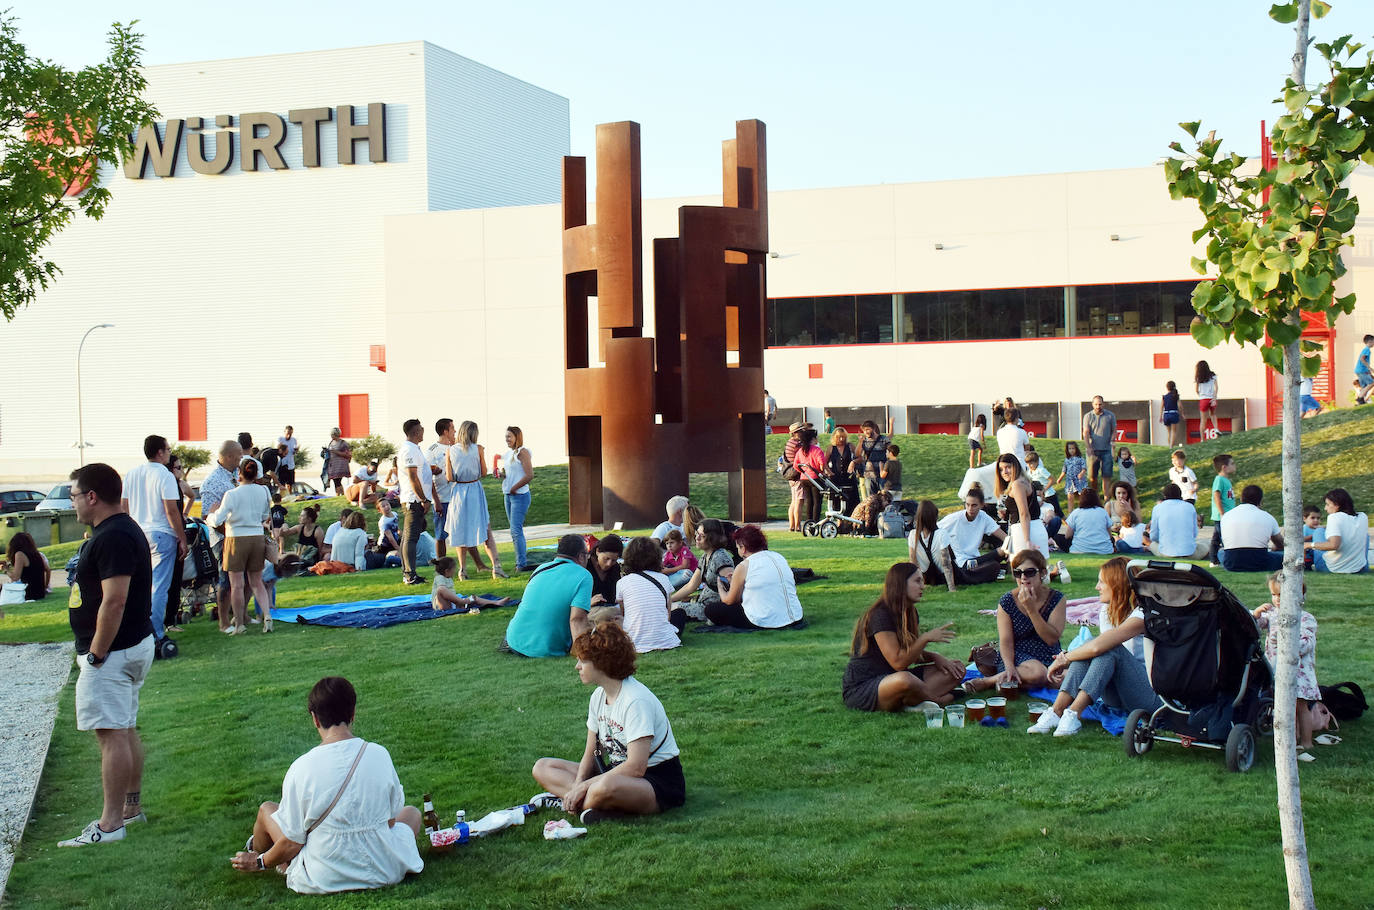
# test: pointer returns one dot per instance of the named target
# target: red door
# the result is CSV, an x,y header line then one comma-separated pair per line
x,y
353,416
936,429
1127,430
1223,424
1038,428
1323,384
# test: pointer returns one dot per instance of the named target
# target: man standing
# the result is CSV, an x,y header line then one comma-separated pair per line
x,y
221,480
417,485
1099,433
872,457
153,499
770,410
286,469
437,454
110,611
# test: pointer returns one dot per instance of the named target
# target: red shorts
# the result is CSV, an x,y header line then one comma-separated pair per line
x,y
1206,404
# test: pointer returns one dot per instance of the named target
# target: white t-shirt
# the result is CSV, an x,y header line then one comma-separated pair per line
x,y
646,611
1207,389
412,457
1135,645
966,537
289,462
1248,526
349,546
938,541
1133,536
635,714
1013,439
437,453
364,473
1186,480
353,847
663,528
331,532
1173,528
1354,533
147,487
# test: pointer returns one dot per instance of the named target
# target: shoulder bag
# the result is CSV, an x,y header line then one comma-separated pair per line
x,y
342,787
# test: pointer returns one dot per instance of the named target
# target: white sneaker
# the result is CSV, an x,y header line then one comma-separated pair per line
x,y
93,834
545,800
1069,724
1047,723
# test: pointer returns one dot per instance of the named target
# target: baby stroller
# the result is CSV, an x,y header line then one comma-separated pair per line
x,y
836,517
1208,666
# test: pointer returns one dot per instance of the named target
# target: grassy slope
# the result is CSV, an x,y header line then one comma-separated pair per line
x,y
793,800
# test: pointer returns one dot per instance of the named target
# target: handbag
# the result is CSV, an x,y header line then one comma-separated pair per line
x,y
342,787
13,593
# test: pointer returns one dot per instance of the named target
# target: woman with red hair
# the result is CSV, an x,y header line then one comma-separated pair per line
x,y
630,765
761,594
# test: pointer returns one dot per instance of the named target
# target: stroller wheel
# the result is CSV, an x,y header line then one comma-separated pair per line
x,y
1264,717
829,528
808,529
1240,748
1138,738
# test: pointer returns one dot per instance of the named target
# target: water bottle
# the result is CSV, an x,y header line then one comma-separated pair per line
x,y
459,818
1063,572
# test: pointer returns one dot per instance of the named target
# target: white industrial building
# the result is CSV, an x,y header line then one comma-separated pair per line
x,y
429,284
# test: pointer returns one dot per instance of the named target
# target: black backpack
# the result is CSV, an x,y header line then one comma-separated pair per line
x,y
1344,700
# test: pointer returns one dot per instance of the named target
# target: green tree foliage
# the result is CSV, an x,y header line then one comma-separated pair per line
x,y
191,457
373,447
57,127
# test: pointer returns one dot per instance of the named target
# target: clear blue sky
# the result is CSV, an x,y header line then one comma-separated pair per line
x,y
858,93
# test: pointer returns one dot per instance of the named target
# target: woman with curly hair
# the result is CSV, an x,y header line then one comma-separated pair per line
x,y
630,765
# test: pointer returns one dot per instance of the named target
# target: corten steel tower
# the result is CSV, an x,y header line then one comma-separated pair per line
x,y
676,403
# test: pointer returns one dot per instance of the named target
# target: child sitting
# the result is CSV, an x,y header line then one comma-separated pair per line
x,y
1133,537
892,472
1307,659
442,596
1312,530
678,560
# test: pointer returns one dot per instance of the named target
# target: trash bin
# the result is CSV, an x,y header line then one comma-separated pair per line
x,y
10,525
69,527
39,526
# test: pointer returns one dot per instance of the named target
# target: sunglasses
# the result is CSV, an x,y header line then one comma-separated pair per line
x,y
1025,573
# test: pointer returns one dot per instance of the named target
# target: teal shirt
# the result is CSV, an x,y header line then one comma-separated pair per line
x,y
1222,485
539,627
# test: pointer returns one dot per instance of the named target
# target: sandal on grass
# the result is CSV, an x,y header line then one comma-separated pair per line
x,y
1327,739
498,573
1306,756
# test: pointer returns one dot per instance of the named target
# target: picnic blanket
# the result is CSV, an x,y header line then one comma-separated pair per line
x,y
799,624
371,614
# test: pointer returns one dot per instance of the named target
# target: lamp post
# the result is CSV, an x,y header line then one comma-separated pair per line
x,y
80,422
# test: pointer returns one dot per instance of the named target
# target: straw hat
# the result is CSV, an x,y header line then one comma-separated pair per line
x,y
799,425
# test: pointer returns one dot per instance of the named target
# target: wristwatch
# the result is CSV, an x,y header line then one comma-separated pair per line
x,y
93,660
262,867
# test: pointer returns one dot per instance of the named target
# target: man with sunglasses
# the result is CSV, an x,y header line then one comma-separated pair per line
x,y
109,609
965,531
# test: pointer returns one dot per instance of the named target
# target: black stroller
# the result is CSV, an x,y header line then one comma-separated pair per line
x,y
1208,666
836,518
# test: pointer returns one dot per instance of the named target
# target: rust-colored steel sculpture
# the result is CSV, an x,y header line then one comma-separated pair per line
x,y
690,398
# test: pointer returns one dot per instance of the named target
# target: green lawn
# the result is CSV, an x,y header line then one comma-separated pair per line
x,y
793,800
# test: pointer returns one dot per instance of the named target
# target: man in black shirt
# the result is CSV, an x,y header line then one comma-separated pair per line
x,y
109,609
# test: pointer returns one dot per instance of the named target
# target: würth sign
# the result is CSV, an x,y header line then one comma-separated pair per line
x,y
260,137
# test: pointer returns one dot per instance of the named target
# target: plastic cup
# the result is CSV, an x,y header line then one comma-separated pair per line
x,y
976,708
1009,691
1035,710
954,715
935,716
997,707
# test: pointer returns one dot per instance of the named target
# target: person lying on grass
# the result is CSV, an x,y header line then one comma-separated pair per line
x,y
443,597
630,765
1030,621
889,666
342,823
1110,667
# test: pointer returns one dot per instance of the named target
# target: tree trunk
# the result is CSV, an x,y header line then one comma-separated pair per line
x,y
1290,596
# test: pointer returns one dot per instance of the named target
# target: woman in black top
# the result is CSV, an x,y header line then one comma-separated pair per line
x,y
605,568
887,641
24,563
310,535
1169,413
716,561
838,462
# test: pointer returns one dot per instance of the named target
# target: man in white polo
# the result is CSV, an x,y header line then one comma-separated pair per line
x,y
1247,533
110,609
153,499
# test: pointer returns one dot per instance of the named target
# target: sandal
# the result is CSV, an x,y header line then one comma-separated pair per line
x,y
498,573
463,575
1326,739
267,625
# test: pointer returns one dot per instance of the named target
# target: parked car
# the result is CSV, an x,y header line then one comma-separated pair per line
x,y
59,497
299,489
20,500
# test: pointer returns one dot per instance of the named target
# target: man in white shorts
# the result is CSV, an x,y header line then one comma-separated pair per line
x,y
109,610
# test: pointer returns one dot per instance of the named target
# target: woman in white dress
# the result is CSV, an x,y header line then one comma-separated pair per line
x,y
469,521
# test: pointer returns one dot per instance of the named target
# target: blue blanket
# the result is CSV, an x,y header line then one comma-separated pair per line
x,y
370,614
1113,720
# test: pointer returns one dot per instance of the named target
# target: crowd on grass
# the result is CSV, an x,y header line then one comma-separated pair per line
x,y
611,599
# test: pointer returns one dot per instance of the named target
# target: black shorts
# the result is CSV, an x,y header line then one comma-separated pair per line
x,y
670,787
286,476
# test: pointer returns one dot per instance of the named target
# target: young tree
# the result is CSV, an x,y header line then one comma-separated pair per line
x,y
1274,240
56,128
372,448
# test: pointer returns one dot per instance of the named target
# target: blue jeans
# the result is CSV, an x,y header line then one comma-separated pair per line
x,y
1115,677
1250,559
1127,548
440,521
517,505
680,578
163,545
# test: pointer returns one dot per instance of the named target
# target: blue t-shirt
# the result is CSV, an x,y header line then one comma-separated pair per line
x,y
1362,366
1173,526
1092,531
539,627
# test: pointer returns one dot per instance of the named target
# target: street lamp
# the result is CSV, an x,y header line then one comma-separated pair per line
x,y
80,422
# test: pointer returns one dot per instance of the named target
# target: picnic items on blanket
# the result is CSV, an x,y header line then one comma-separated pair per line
x,y
561,829
444,839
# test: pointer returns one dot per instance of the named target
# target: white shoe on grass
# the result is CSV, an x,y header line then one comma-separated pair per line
x,y
1069,724
1047,723
94,834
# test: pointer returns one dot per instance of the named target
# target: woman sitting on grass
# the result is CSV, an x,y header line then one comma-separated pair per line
x,y
717,562
630,765
888,642
1110,667
927,546
1123,500
604,564
1030,622
762,594
25,562
643,593
1088,529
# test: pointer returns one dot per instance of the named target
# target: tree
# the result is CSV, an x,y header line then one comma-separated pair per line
x,y
190,457
56,127
373,448
1274,240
